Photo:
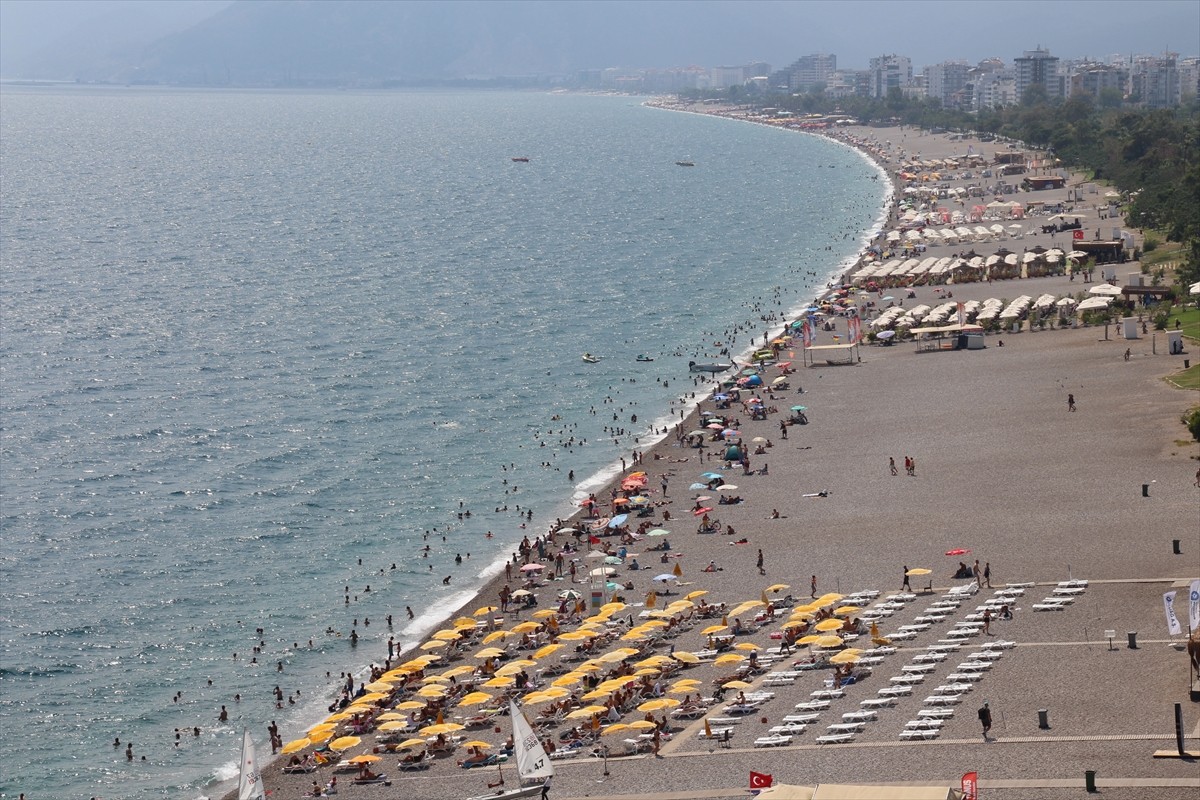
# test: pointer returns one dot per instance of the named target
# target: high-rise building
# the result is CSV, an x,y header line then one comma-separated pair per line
x,y
1154,80
809,71
889,72
1092,79
944,82
1189,79
1038,67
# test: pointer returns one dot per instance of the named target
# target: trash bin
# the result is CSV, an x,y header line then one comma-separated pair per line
x,y
1089,780
1132,640
1043,718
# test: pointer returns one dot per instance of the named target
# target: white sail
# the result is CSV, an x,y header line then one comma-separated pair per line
x,y
250,782
532,761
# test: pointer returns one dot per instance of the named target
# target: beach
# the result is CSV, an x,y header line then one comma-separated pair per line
x,y
1004,471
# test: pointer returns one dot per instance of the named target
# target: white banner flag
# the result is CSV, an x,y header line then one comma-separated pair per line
x,y
1194,605
1172,621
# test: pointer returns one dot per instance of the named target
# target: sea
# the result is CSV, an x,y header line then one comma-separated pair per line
x,y
259,350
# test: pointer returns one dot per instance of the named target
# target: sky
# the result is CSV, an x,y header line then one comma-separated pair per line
x,y
732,32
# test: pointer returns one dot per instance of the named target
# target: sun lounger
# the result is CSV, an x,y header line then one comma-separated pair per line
x,y
760,696
943,699
907,679
742,709
688,713
789,730
800,719
964,677
953,688
918,669
879,649
961,633
860,716
1048,606
998,644
775,740
1073,584
827,694
415,764
974,666
929,658
717,733
780,680
559,755
300,769
895,691
926,723
381,780
723,722
835,738
919,734
901,636
935,713
918,628
878,702
1025,585
814,705
930,619
846,727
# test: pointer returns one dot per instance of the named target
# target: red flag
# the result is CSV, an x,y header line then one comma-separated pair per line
x,y
760,781
1078,234
593,539
970,785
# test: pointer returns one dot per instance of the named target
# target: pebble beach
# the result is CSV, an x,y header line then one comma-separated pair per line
x,y
1047,497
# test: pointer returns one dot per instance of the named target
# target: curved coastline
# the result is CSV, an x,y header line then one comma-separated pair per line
x,y
653,447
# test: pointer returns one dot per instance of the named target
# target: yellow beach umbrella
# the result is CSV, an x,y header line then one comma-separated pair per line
x,y
475,698
682,689
919,571
345,743
411,743
431,691
370,697
847,611
845,658
794,623
810,608
546,650
442,727
390,716
394,725
586,712
379,686
711,629
810,639
778,587
295,746
447,634
482,745
570,679
685,657
573,636
545,613
494,636
365,758
339,717
597,694
525,627
611,608
728,658
499,682
322,726
434,644
646,672
642,725
454,672
409,705
479,612
428,679
747,646
489,652
736,685
657,704
828,625
828,599
829,641
465,622
317,737
616,728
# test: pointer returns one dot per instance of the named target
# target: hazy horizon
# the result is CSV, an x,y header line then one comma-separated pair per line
x,y
58,38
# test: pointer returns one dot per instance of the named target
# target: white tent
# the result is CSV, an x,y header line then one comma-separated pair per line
x,y
1105,290
1093,304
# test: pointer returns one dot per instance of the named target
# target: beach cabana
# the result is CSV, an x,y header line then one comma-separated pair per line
x,y
831,354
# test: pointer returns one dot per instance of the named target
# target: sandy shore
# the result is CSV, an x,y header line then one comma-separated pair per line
x,y
1004,470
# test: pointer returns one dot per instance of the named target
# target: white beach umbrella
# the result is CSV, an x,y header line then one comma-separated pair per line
x,y
1105,290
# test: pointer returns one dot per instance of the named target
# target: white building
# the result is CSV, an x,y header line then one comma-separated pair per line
x,y
889,72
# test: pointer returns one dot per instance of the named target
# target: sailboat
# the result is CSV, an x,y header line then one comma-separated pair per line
x,y
532,762
250,782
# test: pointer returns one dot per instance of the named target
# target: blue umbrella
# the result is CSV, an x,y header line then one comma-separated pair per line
x,y
733,454
799,408
720,397
618,520
712,475
698,486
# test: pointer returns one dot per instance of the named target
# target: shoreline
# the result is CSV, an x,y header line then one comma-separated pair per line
x,y
608,477
659,462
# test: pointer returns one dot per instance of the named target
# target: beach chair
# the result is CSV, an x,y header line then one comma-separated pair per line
x,y
774,740
974,666
860,716
800,719
907,679
943,699
813,705
895,691
918,669
415,764
827,694
916,733
789,730
300,769
1049,606
835,738
878,702
924,723
378,780
964,677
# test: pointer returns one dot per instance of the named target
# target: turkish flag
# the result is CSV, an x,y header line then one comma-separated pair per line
x,y
760,781
1077,234
593,539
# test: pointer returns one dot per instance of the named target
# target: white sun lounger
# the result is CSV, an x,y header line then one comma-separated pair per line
x,y
895,691
919,669
943,699
930,619
800,719
944,647
925,722
860,716
835,738
1049,606
780,680
827,694
775,740
1068,591
846,727
878,702
901,636
717,733
963,677
919,734
953,688
1073,584
813,705
927,658
998,644
935,713
907,679
789,730
974,666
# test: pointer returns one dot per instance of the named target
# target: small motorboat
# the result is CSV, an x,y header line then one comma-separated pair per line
x,y
644,358
591,359
715,367
521,159
685,163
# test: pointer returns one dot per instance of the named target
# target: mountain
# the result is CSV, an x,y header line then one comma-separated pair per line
x,y
271,42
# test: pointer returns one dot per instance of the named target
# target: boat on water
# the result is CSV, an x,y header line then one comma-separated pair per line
x,y
521,159
250,781
591,359
644,358
533,765
685,163
712,367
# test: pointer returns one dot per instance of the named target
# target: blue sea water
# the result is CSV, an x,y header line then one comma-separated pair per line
x,y
255,345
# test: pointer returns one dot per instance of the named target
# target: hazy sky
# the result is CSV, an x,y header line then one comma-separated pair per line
x,y
727,32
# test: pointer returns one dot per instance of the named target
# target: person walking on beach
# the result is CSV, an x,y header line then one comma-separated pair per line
x,y
664,485
546,788
987,573
1070,402
814,586
892,466
985,719
761,571
906,584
